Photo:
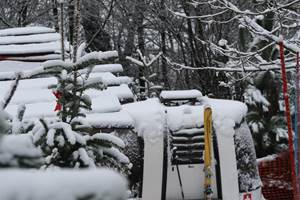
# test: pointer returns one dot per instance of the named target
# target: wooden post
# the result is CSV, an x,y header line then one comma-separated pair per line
x,y
208,152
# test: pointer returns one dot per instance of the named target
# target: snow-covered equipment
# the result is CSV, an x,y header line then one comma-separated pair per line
x,y
174,149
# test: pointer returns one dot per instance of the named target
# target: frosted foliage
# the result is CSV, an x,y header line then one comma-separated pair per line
x,y
253,96
19,151
246,160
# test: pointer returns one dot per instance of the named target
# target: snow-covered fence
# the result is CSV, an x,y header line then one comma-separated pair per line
x,y
62,185
275,174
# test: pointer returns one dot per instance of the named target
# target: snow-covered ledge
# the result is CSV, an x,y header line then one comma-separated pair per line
x,y
62,185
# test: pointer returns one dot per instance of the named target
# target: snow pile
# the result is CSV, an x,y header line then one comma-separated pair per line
x,y
184,117
109,120
62,185
149,118
16,150
225,113
181,94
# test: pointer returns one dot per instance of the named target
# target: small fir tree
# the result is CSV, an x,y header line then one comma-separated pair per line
x,y
66,141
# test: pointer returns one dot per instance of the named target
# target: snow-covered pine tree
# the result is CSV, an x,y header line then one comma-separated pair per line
x,y
67,141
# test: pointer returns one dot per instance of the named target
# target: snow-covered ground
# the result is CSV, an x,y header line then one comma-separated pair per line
x,y
62,185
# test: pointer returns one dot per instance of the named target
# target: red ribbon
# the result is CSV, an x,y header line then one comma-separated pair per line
x,y
58,95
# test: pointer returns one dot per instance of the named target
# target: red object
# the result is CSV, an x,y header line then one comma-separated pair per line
x,y
247,197
58,95
298,120
276,177
288,119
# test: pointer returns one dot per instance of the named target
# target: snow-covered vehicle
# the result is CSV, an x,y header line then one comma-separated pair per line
x,y
173,149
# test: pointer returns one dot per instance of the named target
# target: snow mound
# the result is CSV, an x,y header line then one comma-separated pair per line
x,y
148,116
62,185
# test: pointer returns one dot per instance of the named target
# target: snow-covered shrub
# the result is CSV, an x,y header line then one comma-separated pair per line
x,y
62,185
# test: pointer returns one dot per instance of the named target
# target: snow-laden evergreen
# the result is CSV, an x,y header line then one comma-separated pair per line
x,y
68,141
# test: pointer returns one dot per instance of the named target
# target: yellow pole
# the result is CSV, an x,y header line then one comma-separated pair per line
x,y
208,152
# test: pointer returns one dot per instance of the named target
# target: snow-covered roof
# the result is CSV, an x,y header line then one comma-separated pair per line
x,y
30,44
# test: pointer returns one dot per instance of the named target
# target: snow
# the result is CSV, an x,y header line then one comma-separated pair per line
x,y
114,152
15,66
109,120
149,118
181,94
84,157
149,115
25,31
111,80
113,68
122,92
107,137
38,38
51,56
97,56
267,158
19,145
47,47
62,185
17,150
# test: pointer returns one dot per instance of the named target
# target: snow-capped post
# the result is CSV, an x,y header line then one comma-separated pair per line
x,y
288,116
208,152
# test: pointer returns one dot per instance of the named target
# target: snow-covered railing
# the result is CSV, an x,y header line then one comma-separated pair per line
x,y
62,185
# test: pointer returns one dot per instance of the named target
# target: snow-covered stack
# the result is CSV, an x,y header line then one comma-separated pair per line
x,y
30,44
